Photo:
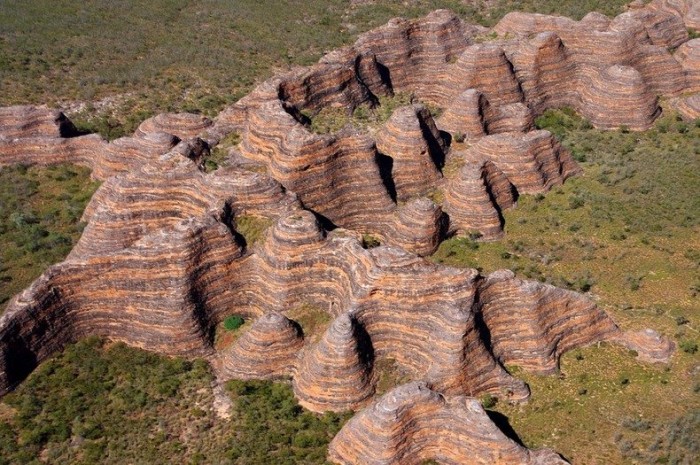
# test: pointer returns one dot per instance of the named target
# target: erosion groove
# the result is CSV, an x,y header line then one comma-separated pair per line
x,y
160,263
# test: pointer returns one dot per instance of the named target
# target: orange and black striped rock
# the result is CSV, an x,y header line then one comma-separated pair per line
x,y
336,373
181,125
160,263
412,424
541,321
29,121
416,148
688,107
419,227
168,289
688,55
687,10
499,167
268,350
51,150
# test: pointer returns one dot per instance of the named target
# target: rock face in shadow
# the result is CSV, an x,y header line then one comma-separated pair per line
x,y
415,145
162,261
412,424
22,122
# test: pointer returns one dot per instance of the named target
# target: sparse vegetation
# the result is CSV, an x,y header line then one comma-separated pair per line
x,y
628,242
489,401
110,404
333,119
252,228
219,154
369,241
40,210
389,374
313,320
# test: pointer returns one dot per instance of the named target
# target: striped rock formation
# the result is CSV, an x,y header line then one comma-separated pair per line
x,y
419,227
650,345
500,167
160,263
49,150
412,424
475,198
336,372
32,135
687,10
162,194
416,148
268,350
688,107
472,116
168,290
28,121
540,322
688,55
610,70
181,125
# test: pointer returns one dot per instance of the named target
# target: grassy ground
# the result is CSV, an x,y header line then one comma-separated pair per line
x,y
112,64
40,211
314,321
110,404
627,232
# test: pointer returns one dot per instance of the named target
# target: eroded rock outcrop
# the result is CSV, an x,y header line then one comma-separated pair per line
x,y
498,168
160,263
181,125
412,424
416,148
336,372
267,350
28,121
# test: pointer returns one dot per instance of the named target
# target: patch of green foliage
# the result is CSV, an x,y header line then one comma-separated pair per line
x,y
332,119
489,401
104,404
111,404
40,210
389,374
313,320
219,154
233,322
252,228
276,429
369,241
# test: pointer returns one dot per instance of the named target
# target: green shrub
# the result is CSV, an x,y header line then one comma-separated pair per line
x,y
233,322
489,401
369,241
689,347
